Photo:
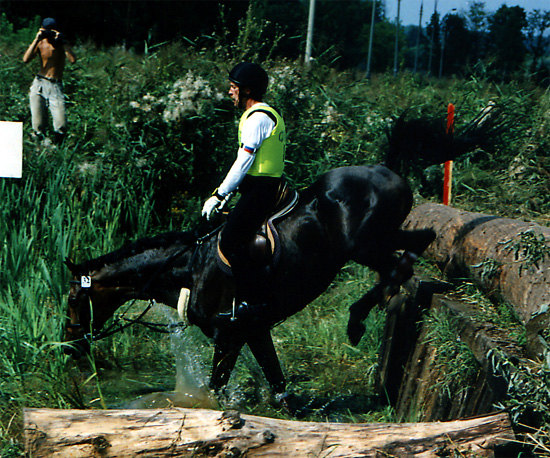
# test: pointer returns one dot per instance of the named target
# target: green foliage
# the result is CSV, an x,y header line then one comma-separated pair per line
x,y
507,39
528,400
256,40
454,361
54,212
531,247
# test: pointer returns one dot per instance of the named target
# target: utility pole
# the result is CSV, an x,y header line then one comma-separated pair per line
x,y
418,33
396,48
309,39
432,40
442,51
371,35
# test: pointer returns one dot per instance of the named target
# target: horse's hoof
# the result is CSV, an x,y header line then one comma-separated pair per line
x,y
356,329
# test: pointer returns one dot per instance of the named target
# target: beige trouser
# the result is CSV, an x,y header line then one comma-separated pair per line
x,y
46,94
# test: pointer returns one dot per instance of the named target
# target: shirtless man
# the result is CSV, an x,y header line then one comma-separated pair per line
x,y
47,88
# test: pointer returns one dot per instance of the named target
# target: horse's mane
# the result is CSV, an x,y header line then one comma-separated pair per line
x,y
161,241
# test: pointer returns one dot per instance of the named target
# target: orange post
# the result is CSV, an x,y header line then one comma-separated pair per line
x,y
448,169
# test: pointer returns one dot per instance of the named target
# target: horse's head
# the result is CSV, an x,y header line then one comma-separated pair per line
x,y
90,304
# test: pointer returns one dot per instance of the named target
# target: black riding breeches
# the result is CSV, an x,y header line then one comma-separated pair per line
x,y
258,198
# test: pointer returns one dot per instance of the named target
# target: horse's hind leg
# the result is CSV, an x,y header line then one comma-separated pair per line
x,y
393,273
414,243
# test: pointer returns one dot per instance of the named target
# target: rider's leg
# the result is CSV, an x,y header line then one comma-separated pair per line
x,y
257,199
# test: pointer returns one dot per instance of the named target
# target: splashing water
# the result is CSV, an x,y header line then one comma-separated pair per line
x,y
191,388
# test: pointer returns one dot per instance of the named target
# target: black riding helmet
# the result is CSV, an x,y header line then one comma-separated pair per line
x,y
252,76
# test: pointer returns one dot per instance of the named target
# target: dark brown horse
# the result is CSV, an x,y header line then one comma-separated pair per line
x,y
348,214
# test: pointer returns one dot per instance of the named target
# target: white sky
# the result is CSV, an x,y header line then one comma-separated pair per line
x,y
410,9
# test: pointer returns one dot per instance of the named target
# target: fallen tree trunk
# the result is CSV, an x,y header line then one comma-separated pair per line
x,y
507,258
200,432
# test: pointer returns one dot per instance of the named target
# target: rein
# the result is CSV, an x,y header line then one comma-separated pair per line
x,y
116,327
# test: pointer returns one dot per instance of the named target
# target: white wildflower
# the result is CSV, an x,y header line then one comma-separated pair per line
x,y
188,97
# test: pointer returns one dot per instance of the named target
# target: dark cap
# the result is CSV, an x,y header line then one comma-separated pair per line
x,y
49,23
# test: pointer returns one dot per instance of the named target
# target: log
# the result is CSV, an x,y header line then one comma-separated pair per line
x,y
490,251
401,334
201,432
418,392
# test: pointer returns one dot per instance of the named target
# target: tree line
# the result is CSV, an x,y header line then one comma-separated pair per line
x,y
501,44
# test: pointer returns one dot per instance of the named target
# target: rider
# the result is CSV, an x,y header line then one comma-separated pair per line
x,y
256,173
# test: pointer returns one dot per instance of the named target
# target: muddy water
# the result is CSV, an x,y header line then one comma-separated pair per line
x,y
187,386
191,388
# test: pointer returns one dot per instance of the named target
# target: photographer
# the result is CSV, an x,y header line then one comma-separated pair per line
x,y
47,88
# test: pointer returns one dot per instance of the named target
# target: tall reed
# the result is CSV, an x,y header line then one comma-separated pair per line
x,y
43,220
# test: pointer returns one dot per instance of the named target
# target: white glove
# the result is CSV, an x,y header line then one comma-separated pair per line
x,y
210,206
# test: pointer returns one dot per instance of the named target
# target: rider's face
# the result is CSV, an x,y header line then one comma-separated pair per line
x,y
234,93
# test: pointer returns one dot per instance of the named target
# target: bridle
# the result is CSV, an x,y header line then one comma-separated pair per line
x,y
117,325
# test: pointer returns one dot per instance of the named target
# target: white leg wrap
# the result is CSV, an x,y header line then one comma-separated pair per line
x,y
183,303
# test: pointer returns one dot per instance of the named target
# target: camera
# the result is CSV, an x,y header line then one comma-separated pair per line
x,y
47,34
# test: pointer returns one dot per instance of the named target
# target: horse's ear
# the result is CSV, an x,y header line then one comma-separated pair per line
x,y
72,266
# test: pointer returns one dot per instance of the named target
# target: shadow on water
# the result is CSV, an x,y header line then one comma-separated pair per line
x,y
337,408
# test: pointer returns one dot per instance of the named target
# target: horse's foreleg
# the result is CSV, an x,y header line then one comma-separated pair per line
x,y
360,310
261,346
225,357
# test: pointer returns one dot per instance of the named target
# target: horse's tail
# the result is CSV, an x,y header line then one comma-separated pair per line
x,y
425,141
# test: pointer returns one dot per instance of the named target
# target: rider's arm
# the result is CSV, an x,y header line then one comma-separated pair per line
x,y
237,172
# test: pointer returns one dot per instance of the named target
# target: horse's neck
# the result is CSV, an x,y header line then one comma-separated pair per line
x,y
141,270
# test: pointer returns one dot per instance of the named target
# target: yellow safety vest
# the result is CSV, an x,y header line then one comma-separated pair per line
x,y
270,157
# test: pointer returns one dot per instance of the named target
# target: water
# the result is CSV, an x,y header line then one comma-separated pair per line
x,y
191,384
149,381
152,381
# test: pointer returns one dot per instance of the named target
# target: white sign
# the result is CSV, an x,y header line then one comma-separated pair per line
x,y
86,281
11,149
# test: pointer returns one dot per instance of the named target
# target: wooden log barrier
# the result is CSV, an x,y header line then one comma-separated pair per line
x,y
201,432
504,257
414,384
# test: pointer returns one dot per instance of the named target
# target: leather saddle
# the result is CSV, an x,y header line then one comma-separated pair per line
x,y
265,249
